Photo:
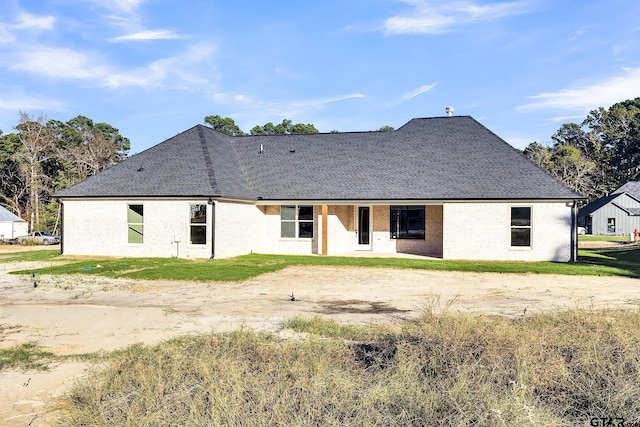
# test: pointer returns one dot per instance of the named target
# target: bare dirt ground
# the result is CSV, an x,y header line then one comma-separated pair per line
x,y
70,315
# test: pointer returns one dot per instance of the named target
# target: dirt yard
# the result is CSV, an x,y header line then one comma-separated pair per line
x,y
70,315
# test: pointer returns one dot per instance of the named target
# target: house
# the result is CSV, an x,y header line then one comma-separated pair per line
x,y
632,188
446,187
615,214
11,225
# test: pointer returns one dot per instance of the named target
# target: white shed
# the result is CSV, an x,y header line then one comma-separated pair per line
x,y
11,225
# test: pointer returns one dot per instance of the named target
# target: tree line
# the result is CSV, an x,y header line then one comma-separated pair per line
x,y
44,156
597,155
287,127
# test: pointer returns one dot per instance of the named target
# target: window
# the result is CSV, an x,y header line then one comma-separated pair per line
x,y
521,226
407,222
135,223
611,225
198,225
296,221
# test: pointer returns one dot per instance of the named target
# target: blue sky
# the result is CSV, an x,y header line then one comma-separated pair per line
x,y
154,68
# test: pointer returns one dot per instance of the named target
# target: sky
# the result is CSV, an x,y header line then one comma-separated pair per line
x,y
155,68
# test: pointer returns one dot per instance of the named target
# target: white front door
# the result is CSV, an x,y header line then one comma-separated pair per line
x,y
362,227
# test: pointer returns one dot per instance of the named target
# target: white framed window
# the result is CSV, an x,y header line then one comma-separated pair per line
x,y
198,225
520,226
135,223
296,221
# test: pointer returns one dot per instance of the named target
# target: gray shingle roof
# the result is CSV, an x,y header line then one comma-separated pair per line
x,y
197,162
631,187
597,204
446,158
6,216
611,198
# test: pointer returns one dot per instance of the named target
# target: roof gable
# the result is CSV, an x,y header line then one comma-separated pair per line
x,y
631,187
626,202
6,216
446,158
627,210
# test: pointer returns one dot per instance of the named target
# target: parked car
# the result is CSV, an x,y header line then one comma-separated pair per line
x,y
582,230
39,238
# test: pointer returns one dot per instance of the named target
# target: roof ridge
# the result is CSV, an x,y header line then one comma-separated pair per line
x,y
416,119
207,160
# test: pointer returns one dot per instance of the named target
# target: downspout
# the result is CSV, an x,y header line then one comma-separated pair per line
x,y
574,232
61,227
213,228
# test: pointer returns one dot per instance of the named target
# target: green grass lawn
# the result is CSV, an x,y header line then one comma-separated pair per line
x,y
589,238
22,256
602,262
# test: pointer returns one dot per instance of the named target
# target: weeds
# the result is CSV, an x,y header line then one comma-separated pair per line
x,y
24,356
443,369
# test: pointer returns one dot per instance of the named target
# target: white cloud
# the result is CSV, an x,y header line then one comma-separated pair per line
x,y
577,34
58,63
417,92
324,101
243,98
565,119
337,99
27,20
149,35
61,63
180,71
122,6
434,17
285,105
583,99
25,102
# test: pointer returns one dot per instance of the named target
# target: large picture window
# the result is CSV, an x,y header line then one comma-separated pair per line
x,y
135,223
296,221
520,226
407,222
198,225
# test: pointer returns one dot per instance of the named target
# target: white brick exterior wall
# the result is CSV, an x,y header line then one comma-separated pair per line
x,y
274,244
475,231
240,229
482,231
99,227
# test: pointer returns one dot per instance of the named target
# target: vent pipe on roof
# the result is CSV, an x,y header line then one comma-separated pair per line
x,y
449,111
261,148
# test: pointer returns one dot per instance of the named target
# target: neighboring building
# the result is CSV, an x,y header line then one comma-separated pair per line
x,y
615,214
445,187
632,188
11,225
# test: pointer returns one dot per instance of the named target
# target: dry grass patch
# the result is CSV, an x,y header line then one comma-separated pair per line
x,y
444,369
